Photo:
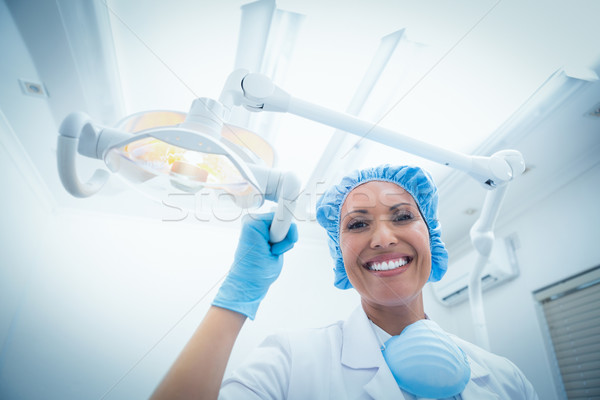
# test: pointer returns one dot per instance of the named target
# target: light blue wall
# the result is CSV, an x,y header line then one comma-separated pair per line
x,y
558,238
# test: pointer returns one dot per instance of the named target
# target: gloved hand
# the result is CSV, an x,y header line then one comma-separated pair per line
x,y
256,266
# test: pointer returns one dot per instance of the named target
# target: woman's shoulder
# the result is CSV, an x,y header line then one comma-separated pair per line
x,y
482,356
498,368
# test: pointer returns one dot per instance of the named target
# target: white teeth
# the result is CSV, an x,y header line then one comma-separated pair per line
x,y
385,266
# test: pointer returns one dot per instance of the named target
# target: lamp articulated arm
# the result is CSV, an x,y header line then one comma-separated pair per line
x,y
257,92
482,237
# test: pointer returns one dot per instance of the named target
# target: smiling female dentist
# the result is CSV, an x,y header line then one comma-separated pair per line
x,y
385,240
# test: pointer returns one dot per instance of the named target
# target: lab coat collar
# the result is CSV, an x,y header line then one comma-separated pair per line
x,y
361,350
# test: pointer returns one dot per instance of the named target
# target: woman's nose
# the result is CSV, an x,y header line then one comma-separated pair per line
x,y
383,236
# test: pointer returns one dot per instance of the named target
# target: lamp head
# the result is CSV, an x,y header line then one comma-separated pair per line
x,y
164,152
187,160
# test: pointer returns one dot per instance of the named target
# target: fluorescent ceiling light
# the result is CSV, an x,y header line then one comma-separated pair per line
x,y
266,43
390,63
89,34
558,89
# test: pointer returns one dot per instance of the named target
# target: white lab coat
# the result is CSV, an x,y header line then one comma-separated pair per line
x,y
344,361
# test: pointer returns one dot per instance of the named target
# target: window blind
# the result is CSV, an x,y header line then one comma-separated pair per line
x,y
572,312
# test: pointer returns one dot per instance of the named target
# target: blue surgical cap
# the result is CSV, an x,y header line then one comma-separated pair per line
x,y
417,182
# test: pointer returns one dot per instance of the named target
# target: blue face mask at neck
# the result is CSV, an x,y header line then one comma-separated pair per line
x,y
426,362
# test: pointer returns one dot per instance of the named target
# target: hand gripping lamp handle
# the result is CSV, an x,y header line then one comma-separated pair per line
x,y
75,125
282,188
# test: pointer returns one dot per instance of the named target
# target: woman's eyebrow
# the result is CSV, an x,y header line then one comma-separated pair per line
x,y
395,206
360,211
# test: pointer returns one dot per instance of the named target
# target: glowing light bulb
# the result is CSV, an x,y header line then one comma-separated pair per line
x,y
159,160
187,170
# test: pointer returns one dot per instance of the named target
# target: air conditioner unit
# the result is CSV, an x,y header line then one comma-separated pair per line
x,y
501,267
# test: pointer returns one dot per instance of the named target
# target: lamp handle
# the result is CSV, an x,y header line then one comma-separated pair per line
x,y
67,147
286,204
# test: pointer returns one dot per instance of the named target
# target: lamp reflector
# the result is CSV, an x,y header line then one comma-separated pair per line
x,y
158,167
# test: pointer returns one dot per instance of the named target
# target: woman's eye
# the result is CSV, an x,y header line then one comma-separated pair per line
x,y
357,225
403,216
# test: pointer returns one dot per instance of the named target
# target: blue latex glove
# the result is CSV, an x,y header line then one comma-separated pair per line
x,y
257,264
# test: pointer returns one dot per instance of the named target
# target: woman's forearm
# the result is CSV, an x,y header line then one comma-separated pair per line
x,y
198,371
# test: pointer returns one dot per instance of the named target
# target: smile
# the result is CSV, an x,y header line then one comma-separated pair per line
x,y
387,265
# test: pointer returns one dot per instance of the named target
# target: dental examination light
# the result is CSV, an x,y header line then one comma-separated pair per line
x,y
169,152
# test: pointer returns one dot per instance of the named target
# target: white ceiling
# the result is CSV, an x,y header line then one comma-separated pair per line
x,y
483,59
480,61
